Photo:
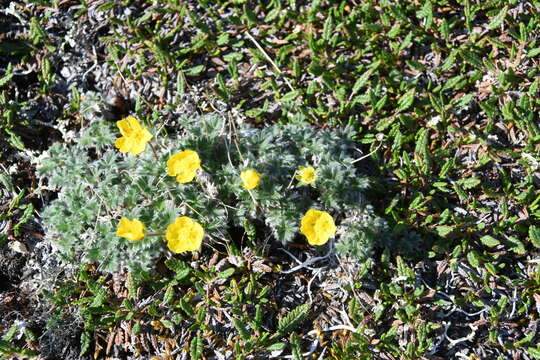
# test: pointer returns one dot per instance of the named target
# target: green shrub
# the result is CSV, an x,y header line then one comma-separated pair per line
x,y
97,185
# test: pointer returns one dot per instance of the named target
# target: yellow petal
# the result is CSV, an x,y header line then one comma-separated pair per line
x,y
184,165
134,123
184,235
124,144
317,226
306,175
250,179
137,147
172,165
131,230
145,135
119,143
317,240
129,126
186,176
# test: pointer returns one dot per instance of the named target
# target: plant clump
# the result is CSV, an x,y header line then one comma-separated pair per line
x,y
215,187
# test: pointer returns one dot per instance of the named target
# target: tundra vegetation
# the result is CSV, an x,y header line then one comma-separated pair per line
x,y
270,179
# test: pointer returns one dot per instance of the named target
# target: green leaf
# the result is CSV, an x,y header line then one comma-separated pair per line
x,y
196,348
85,342
469,183
444,29
291,95
384,123
257,321
532,53
327,29
15,139
131,285
195,70
28,212
489,241
394,31
457,251
242,330
315,68
406,100
179,267
422,157
282,55
272,15
450,61
233,56
389,334
169,295
534,352
516,245
223,39
293,318
426,13
447,167
276,346
491,110
6,348
29,334
250,230
380,104
106,6
473,258
491,269
444,230
464,101
525,339
184,305
226,273
422,140
8,75
406,42
295,347
361,81
535,86
137,328
534,236
10,334
498,19
96,288
472,58
441,186
167,323
455,83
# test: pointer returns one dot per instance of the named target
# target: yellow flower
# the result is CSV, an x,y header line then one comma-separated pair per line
x,y
306,175
184,235
134,136
130,229
250,178
317,226
184,166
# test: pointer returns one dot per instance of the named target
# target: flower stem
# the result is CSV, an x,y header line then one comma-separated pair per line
x,y
253,198
154,151
156,234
